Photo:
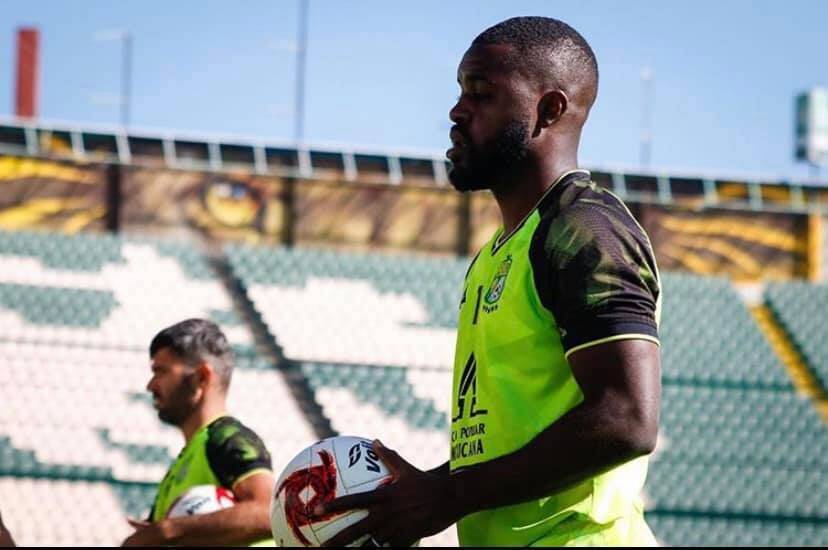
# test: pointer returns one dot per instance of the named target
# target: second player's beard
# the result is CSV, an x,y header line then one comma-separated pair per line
x,y
181,403
485,167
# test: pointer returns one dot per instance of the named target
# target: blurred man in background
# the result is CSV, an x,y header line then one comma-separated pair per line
x,y
192,364
557,366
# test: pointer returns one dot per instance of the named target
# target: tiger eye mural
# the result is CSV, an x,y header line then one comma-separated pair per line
x,y
237,207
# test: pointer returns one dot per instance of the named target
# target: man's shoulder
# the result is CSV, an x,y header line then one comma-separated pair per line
x,y
226,428
581,213
579,198
234,450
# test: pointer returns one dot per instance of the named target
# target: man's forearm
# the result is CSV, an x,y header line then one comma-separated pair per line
x,y
586,441
243,523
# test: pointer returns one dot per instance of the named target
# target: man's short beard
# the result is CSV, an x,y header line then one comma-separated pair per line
x,y
181,403
486,165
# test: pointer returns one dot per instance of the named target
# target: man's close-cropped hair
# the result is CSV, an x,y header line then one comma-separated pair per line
x,y
547,48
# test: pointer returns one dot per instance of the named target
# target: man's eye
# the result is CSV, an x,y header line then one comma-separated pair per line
x,y
474,96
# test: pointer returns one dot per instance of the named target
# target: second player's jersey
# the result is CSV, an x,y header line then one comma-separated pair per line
x,y
578,271
221,453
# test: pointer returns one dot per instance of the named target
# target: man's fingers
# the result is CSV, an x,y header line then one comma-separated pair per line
x,y
349,534
348,502
138,523
385,533
393,461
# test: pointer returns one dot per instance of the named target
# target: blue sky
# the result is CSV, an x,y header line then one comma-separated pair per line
x,y
383,73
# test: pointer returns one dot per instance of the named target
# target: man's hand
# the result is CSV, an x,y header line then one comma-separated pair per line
x,y
415,504
246,522
146,534
6,540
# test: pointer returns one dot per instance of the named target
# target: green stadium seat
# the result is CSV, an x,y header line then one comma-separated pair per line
x,y
709,338
385,387
800,308
698,530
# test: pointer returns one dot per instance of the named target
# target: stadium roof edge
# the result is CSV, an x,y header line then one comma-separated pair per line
x,y
693,173
399,152
223,137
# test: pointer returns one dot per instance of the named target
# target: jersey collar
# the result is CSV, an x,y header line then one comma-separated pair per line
x,y
498,242
206,425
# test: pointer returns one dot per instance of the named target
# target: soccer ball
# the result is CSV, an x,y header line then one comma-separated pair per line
x,y
326,470
201,499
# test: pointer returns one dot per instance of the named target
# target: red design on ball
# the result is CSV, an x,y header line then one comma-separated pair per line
x,y
322,479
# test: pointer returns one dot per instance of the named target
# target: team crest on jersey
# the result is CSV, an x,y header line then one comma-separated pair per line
x,y
499,281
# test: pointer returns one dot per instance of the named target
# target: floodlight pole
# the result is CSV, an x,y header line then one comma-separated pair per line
x,y
126,69
646,116
301,49
126,77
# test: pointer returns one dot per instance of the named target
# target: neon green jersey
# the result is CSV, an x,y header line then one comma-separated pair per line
x,y
577,272
221,453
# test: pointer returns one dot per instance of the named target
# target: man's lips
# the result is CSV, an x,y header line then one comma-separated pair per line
x,y
458,144
457,138
453,153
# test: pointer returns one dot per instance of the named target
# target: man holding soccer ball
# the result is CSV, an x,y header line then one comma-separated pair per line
x,y
557,368
192,364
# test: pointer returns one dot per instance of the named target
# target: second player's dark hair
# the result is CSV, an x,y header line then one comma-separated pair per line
x,y
196,340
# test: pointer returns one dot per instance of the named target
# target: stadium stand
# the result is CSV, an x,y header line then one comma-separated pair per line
x,y
78,314
741,456
739,449
797,305
713,339
697,531
373,335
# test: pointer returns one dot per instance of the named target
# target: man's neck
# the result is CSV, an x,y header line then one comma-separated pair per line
x,y
517,199
200,418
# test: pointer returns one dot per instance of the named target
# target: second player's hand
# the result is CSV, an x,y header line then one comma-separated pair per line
x,y
414,505
146,534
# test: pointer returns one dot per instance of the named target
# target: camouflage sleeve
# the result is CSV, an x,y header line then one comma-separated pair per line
x,y
234,451
595,272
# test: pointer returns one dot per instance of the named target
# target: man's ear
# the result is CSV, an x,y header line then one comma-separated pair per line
x,y
205,374
551,108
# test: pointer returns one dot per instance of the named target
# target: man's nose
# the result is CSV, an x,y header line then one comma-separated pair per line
x,y
459,114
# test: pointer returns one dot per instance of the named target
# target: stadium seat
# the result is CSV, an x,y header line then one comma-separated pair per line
x,y
763,428
709,338
696,530
799,307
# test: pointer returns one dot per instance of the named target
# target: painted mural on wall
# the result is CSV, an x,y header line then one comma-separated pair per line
x,y
220,206
71,197
52,195
745,246
364,215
